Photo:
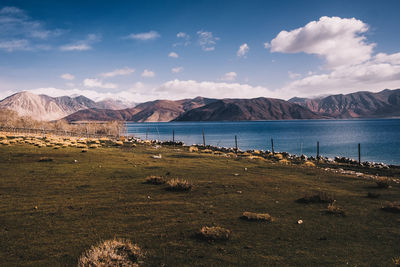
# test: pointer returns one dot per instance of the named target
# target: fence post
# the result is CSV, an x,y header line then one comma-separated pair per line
x,y
272,146
204,139
236,145
317,150
359,153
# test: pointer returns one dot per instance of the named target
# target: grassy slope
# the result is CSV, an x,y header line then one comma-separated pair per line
x,y
103,196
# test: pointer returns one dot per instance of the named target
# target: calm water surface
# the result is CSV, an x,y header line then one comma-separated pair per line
x,y
379,138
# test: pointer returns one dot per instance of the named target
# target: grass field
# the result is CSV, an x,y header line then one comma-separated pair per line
x,y
52,211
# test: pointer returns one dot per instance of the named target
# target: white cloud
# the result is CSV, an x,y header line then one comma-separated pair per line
x,y
340,41
243,50
144,36
18,31
173,55
372,75
99,84
229,76
207,41
148,73
82,45
118,72
184,37
67,76
385,58
293,75
177,89
177,69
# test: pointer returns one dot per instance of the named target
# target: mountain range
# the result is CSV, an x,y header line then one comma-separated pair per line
x,y
46,108
355,105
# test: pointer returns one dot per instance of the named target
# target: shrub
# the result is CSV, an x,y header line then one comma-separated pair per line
x,y
373,195
214,233
179,185
111,253
251,216
320,197
334,209
155,180
193,149
45,159
392,207
309,164
382,183
396,261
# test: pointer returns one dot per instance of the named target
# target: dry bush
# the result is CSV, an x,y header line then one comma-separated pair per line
x,y
214,233
319,197
45,159
392,207
251,216
373,195
396,261
335,210
382,183
179,185
155,180
115,252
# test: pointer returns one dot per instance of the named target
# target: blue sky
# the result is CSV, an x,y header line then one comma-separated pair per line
x,y
144,50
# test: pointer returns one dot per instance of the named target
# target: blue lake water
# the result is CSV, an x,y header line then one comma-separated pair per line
x,y
379,138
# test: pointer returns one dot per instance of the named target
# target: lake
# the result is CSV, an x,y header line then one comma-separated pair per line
x,y
379,138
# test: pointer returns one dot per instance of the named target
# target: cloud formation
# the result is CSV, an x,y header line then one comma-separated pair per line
x,y
67,76
243,50
184,37
144,36
229,76
177,69
207,40
118,72
148,73
173,55
18,31
98,84
82,45
340,41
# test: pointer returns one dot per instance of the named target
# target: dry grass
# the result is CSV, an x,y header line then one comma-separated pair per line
x,y
251,216
392,207
335,210
179,185
155,180
382,183
115,252
214,233
319,197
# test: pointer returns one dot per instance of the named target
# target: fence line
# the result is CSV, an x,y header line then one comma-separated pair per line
x,y
18,130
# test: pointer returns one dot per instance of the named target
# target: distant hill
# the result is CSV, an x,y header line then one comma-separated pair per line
x,y
355,105
153,111
43,107
248,110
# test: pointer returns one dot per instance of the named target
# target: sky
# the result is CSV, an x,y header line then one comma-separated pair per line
x,y
138,51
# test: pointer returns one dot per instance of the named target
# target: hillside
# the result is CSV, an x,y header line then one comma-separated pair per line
x,y
153,111
46,108
356,105
248,109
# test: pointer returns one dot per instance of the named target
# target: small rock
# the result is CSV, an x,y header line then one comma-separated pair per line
x,y
239,192
236,174
156,156
299,221
75,161
35,208
245,169
148,197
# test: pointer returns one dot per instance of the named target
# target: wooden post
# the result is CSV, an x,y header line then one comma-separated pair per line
x,y
317,149
359,153
173,136
236,146
204,139
272,146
